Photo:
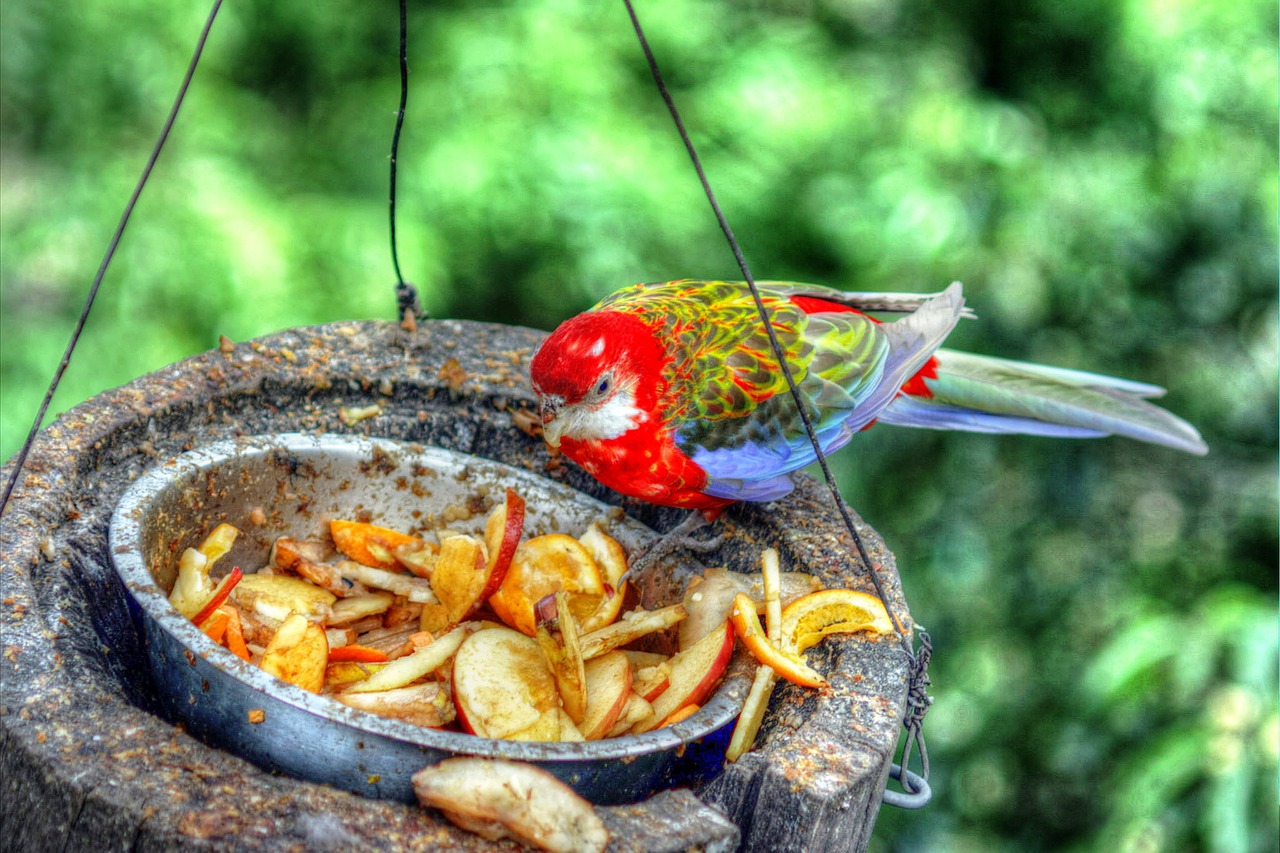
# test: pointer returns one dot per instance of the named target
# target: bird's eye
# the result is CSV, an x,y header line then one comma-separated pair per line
x,y
603,387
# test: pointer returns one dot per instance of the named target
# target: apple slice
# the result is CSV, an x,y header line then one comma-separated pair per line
x,y
348,610
651,681
415,665
557,636
276,596
502,534
543,566
220,594
636,710
548,728
611,560
695,672
413,588
709,599
506,798
421,704
752,715
608,680
339,674
632,626
460,576
501,684
218,542
418,557
298,653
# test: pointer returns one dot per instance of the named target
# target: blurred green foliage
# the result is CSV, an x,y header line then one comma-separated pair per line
x,y
1101,174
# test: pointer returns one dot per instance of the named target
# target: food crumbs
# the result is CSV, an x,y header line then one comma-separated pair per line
x,y
352,415
452,374
257,715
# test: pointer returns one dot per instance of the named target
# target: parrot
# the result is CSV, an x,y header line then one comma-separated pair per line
x,y
670,392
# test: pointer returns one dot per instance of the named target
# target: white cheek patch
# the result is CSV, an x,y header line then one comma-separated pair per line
x,y
616,416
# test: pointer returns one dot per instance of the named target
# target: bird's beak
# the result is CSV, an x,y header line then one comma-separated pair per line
x,y
551,425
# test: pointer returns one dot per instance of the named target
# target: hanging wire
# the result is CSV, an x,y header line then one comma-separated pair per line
x,y
21,458
918,698
408,310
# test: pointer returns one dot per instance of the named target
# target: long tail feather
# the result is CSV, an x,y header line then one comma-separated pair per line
x,y
983,394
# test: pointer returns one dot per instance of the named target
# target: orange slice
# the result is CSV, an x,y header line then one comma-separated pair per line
x,y
808,619
371,545
787,664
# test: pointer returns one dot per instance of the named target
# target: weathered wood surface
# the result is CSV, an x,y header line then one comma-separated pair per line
x,y
84,765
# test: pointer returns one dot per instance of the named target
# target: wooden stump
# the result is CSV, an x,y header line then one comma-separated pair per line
x,y
86,764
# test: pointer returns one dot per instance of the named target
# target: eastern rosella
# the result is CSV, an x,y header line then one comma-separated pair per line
x,y
670,392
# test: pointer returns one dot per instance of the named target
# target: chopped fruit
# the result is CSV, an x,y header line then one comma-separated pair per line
x,y
650,681
342,673
219,595
557,636
411,667
361,654
611,560
790,666
422,704
369,544
460,576
709,599
752,714
298,653
695,672
682,714
357,607
192,587
502,799
543,566
502,534
276,596
502,686
608,680
807,620
631,627
413,588
218,542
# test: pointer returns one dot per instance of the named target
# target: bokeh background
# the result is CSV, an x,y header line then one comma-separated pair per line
x,y
1101,174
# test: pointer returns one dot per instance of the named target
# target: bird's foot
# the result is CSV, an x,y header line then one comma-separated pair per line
x,y
678,538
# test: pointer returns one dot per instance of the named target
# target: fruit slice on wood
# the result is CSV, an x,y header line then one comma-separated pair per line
x,y
807,620
502,799
788,665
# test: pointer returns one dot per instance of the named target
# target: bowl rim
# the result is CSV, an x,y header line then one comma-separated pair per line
x,y
125,546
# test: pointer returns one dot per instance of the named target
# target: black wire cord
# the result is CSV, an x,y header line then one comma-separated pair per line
x,y
21,459
918,700
408,310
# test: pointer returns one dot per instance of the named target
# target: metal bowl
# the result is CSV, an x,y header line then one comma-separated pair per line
x,y
291,485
